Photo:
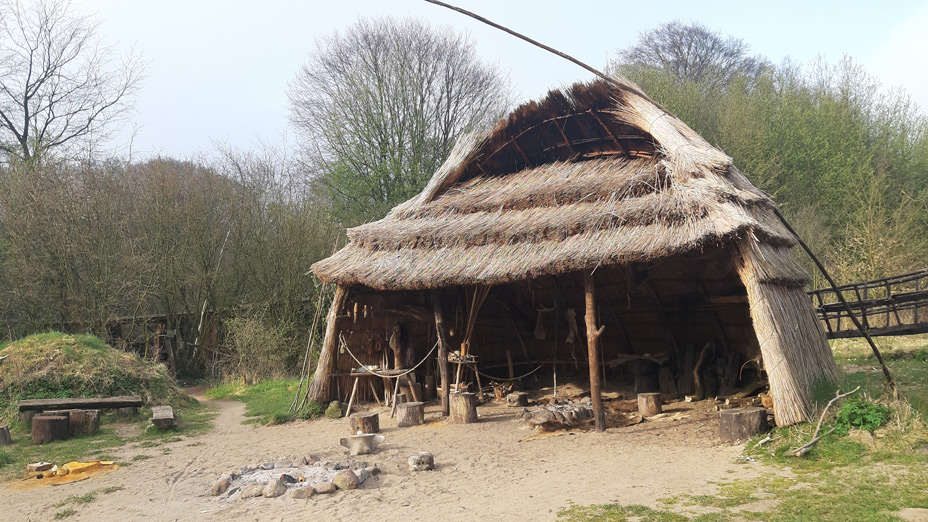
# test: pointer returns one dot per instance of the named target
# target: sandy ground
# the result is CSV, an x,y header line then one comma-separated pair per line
x,y
483,471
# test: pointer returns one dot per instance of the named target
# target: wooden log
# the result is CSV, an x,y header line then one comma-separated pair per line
x,y
649,404
742,424
5,438
48,428
361,423
26,417
666,381
442,352
163,417
410,414
593,333
98,403
83,422
463,408
517,399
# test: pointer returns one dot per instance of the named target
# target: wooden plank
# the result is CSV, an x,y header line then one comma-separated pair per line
x,y
97,403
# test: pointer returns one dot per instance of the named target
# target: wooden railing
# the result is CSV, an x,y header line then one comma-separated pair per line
x,y
895,305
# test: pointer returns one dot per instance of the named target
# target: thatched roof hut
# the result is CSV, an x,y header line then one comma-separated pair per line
x,y
598,183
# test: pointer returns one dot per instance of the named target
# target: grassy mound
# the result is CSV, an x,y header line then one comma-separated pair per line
x,y
52,365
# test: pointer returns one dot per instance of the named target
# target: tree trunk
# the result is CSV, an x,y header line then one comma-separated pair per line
x,y
463,408
593,333
442,351
410,414
83,422
48,428
5,439
363,423
649,404
320,390
742,424
666,382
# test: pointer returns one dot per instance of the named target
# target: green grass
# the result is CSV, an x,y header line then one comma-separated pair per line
x,y
840,479
193,420
266,402
86,498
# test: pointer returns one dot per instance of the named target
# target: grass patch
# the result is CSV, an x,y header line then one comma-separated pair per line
x,y
140,456
266,402
194,420
65,513
88,497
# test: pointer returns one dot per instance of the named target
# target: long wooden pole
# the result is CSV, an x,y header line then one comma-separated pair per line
x,y
593,334
320,390
850,312
442,352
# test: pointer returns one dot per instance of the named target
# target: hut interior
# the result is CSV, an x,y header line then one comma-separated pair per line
x,y
659,315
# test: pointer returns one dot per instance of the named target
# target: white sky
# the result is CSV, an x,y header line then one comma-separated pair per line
x,y
218,70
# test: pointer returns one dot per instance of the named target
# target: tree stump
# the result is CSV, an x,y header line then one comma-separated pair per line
x,y
47,428
742,424
163,417
27,417
649,404
5,439
399,398
83,422
517,400
361,423
463,407
410,414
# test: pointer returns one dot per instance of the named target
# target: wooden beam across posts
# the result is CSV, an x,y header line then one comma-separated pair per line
x,y
320,390
593,334
442,352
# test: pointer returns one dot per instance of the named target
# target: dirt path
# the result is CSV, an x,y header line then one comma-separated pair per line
x,y
483,471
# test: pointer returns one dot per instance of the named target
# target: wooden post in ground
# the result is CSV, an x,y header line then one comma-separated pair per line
x,y
442,352
5,439
320,390
593,334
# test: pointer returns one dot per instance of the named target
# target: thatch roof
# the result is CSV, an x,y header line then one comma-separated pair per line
x,y
595,175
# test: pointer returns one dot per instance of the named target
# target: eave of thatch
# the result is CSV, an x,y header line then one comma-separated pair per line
x,y
597,175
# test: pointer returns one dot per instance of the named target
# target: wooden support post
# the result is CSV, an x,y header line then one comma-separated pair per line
x,y
5,438
593,334
463,408
354,391
442,352
649,404
410,414
320,390
361,423
83,422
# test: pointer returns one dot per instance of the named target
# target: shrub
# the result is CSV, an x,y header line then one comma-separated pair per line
x,y
861,414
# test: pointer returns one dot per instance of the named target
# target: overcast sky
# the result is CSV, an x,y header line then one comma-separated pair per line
x,y
218,70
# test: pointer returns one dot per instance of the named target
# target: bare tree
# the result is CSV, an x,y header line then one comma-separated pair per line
x,y
380,105
58,81
693,53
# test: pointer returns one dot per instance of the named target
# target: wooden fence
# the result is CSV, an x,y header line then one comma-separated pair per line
x,y
895,305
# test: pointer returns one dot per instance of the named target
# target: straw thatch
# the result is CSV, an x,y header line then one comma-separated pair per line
x,y
599,175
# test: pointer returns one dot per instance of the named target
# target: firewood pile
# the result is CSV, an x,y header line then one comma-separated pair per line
x,y
559,416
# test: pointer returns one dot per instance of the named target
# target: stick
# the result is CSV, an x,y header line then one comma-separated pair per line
x,y
354,390
396,390
805,448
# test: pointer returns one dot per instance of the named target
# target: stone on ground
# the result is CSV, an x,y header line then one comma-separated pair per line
x,y
324,488
302,493
421,461
220,486
253,490
346,479
275,488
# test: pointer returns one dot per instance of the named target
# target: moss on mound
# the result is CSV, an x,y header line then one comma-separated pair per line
x,y
54,364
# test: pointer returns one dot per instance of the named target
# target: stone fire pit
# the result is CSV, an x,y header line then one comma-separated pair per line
x,y
296,478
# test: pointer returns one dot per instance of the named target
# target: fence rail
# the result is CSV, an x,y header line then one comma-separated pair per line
x,y
895,305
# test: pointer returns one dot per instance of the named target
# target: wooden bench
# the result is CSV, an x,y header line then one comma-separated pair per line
x,y
93,403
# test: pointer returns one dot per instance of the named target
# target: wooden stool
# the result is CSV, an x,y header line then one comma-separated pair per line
x,y
363,423
649,404
83,422
410,414
742,424
463,407
47,428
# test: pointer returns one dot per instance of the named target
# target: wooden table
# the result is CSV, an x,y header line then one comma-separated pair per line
x,y
470,362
